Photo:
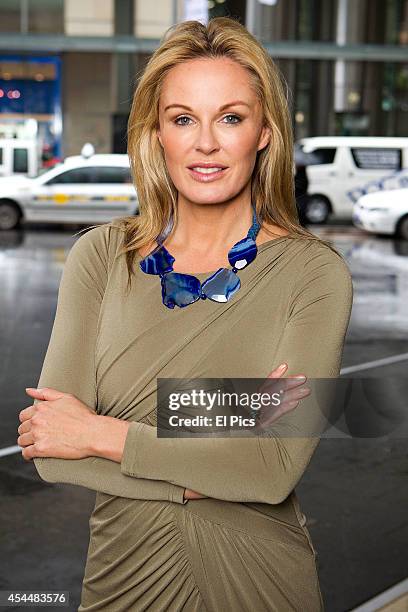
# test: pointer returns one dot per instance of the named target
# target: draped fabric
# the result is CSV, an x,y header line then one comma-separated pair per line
x,y
246,545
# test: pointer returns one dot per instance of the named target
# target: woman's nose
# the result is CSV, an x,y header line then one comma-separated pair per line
x,y
206,140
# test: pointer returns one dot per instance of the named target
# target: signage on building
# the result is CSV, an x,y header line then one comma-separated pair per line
x,y
30,101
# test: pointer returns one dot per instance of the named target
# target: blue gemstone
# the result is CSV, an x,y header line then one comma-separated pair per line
x,y
242,253
158,262
180,289
221,286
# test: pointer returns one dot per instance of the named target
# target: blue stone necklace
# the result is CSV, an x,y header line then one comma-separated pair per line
x,y
184,289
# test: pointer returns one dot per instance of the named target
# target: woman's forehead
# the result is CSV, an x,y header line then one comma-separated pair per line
x,y
190,83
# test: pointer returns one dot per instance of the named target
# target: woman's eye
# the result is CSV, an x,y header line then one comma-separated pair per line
x,y
188,118
236,117
178,119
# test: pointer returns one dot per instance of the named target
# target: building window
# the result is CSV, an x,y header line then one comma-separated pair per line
x,y
32,16
46,16
396,22
10,20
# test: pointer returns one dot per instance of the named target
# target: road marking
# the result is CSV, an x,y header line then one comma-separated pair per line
x,y
374,364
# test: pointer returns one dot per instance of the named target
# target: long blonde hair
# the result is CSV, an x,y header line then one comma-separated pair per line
x,y
272,188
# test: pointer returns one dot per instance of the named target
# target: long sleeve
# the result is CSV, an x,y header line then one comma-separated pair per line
x,y
69,367
261,468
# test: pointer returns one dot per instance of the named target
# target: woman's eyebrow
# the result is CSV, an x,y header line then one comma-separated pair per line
x,y
235,103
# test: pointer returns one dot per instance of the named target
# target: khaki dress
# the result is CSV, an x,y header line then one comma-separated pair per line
x,y
245,547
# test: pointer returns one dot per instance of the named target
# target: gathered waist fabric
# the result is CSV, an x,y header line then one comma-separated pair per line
x,y
206,555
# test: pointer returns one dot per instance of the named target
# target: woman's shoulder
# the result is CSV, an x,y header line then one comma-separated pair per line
x,y
323,279
97,245
325,269
319,253
309,253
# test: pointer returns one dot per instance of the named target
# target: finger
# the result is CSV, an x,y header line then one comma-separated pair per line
x,y
272,386
296,380
287,405
24,426
271,414
289,402
28,452
279,371
295,394
45,393
290,390
25,439
31,451
26,414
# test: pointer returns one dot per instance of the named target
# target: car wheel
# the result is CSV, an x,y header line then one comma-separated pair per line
x,y
317,209
403,228
9,216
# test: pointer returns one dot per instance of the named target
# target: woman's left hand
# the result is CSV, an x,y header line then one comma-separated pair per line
x,y
59,425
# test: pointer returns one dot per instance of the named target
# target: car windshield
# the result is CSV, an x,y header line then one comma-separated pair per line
x,y
42,171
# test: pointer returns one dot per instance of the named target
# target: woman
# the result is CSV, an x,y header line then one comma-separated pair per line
x,y
199,523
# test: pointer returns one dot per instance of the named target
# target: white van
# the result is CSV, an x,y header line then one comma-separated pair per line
x,y
18,157
340,169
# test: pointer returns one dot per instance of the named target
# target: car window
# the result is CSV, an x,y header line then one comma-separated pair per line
x,y
321,156
375,158
20,160
112,174
72,177
93,174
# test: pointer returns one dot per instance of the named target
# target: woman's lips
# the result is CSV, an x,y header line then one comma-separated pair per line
x,y
207,178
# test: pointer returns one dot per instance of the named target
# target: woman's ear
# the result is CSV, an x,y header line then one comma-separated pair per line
x,y
265,137
159,136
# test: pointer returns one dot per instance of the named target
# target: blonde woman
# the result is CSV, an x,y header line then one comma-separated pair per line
x,y
193,523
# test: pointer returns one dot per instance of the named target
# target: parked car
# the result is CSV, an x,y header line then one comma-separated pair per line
x,y
82,189
339,167
301,185
383,212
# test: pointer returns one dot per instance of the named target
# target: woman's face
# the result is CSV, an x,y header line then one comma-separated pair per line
x,y
209,113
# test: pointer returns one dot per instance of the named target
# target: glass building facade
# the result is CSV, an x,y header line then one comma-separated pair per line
x,y
345,61
32,16
343,96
